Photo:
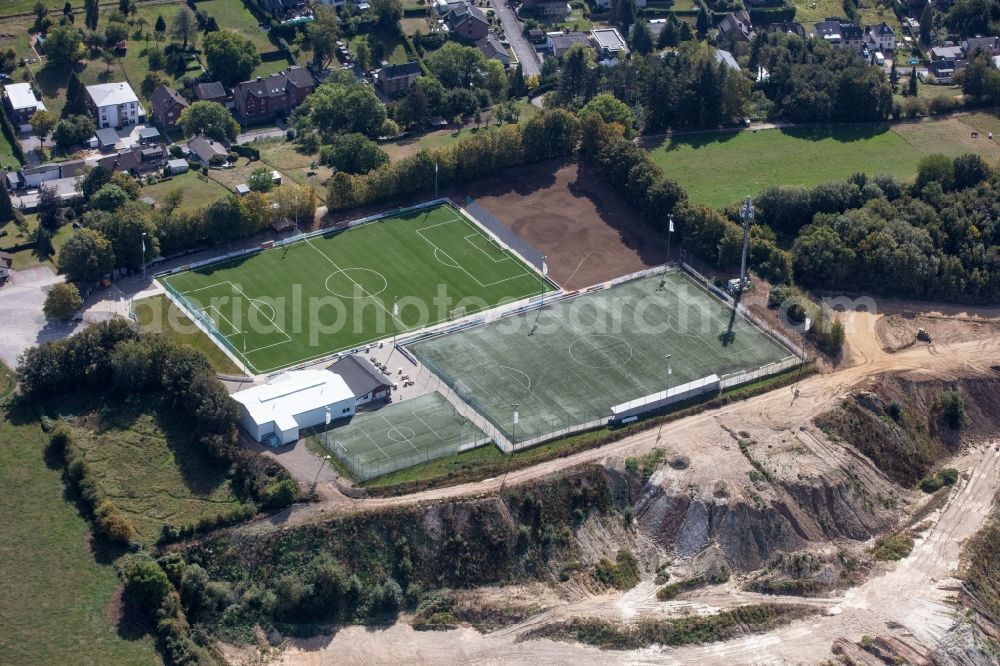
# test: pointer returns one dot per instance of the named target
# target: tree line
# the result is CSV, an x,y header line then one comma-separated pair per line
x,y
547,135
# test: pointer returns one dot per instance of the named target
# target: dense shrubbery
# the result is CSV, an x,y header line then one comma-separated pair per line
x,y
937,239
810,81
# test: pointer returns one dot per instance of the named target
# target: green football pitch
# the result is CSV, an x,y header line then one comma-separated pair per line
x,y
568,363
326,294
401,435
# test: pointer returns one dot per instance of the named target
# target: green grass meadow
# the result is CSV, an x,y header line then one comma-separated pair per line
x,y
719,168
570,362
57,589
291,304
152,468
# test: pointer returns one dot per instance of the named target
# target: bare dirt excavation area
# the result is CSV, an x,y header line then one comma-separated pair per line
x,y
587,232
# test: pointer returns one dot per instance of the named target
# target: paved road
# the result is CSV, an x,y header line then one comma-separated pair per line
x,y
24,323
513,29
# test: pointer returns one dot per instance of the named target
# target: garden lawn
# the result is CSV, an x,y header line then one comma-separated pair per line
x,y
157,315
56,588
28,258
199,191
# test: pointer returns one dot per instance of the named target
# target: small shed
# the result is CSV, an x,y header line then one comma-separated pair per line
x,y
276,177
177,166
242,189
107,138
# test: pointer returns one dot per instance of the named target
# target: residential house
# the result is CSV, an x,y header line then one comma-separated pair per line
x,y
606,4
493,49
269,97
21,102
943,70
787,28
722,56
546,8
394,79
951,53
610,44
840,35
366,382
127,161
989,45
881,37
467,22
560,42
166,105
213,91
149,135
281,7
208,151
737,27
115,105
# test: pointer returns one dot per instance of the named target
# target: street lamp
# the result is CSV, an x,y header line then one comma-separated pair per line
x,y
143,241
670,370
435,179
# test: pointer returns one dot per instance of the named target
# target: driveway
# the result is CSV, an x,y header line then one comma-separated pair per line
x,y
514,31
265,133
24,323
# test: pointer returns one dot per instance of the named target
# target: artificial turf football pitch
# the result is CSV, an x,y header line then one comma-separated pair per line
x,y
569,362
290,304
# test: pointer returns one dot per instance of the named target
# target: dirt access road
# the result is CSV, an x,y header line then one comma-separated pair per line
x,y
908,599
780,409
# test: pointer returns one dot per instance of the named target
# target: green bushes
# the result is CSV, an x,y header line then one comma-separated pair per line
x,y
147,585
893,547
950,407
945,477
622,574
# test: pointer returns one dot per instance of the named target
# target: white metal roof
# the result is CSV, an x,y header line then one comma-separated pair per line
x,y
293,393
112,94
21,96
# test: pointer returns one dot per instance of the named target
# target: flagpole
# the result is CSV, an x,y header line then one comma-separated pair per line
x,y
670,232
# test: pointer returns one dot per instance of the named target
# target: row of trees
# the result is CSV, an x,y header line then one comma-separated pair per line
x,y
547,135
114,224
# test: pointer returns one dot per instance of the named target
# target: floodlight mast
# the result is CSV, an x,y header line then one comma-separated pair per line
x,y
746,215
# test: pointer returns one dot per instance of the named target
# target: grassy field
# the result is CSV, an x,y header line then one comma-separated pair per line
x,y
289,160
400,435
570,362
718,168
56,586
199,191
411,145
329,293
29,258
157,314
153,468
